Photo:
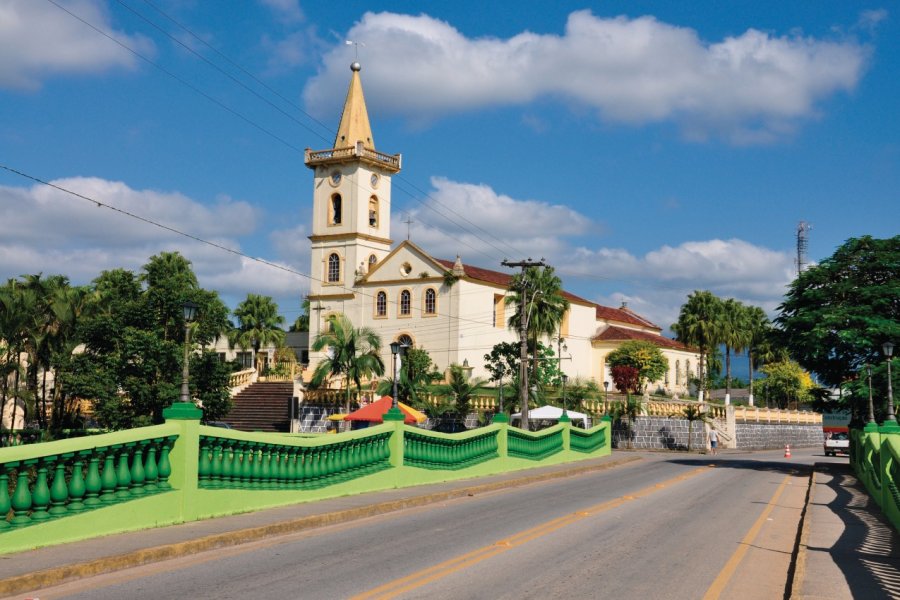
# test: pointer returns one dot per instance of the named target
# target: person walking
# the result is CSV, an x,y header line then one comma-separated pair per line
x,y
713,437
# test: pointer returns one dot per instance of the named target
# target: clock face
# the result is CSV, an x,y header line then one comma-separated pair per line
x,y
374,180
335,177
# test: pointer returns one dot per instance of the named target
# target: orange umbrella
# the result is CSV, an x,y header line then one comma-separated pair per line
x,y
374,412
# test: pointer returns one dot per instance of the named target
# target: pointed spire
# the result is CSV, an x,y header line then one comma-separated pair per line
x,y
354,125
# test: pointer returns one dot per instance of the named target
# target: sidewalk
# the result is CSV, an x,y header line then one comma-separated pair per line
x,y
44,567
847,548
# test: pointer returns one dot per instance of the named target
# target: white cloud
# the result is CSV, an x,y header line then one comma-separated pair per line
x,y
748,88
288,11
37,40
654,284
45,230
459,217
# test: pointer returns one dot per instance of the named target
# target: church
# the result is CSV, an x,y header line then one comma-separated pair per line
x,y
453,310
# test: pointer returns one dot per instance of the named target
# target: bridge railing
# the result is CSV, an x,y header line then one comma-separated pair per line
x,y
182,471
875,458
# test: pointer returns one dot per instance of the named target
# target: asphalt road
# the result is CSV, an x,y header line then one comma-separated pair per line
x,y
669,526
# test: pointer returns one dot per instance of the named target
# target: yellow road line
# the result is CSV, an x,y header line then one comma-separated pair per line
x,y
448,567
725,575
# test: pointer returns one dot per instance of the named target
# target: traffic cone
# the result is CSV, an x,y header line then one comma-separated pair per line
x,y
787,450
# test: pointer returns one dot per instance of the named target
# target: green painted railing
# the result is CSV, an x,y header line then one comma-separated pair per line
x,y
536,446
875,458
227,462
431,450
587,441
43,482
181,471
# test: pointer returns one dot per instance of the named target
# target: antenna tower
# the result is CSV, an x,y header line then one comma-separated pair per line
x,y
802,244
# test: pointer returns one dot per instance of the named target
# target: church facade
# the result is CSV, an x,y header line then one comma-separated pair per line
x,y
454,311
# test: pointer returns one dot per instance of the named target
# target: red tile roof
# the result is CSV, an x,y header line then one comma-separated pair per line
x,y
496,277
623,315
621,334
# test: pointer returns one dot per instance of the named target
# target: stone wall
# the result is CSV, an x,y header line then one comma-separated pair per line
x,y
757,436
659,433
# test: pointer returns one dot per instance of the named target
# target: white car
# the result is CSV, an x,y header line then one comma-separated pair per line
x,y
838,443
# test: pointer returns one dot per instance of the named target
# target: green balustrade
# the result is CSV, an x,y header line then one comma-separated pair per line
x,y
57,485
587,441
535,446
437,451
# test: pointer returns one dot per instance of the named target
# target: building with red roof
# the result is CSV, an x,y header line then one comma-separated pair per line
x,y
457,312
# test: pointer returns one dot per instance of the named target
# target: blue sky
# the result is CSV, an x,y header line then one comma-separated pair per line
x,y
645,149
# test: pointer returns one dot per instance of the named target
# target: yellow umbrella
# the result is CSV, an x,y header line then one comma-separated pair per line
x,y
336,417
418,416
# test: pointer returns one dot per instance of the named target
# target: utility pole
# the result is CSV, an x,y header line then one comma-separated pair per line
x,y
523,334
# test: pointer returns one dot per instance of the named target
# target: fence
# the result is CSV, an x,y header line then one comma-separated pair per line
x,y
182,471
874,456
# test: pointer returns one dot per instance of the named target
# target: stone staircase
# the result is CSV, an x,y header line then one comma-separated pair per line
x,y
262,406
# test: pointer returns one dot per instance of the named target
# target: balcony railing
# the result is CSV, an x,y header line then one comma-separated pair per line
x,y
390,162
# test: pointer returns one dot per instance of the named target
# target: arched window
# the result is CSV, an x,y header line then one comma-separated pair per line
x,y
405,340
405,303
373,211
336,209
334,268
372,260
430,302
381,304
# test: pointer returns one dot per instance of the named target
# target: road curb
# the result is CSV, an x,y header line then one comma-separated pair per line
x,y
58,575
799,563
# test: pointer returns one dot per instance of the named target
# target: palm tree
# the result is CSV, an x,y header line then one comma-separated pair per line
x,y
735,332
302,322
259,324
699,325
353,353
758,326
461,389
19,306
538,294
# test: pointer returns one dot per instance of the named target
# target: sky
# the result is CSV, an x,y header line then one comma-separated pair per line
x,y
643,149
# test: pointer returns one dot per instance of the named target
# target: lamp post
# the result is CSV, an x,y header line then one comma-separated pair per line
x,y
888,349
606,392
395,349
565,378
871,408
190,313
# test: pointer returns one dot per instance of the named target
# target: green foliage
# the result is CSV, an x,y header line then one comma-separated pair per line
x,y
786,384
626,412
259,324
626,378
837,314
646,357
209,385
351,352
302,322
699,325
461,389
415,374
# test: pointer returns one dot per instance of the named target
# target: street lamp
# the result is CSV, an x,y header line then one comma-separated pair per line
x,y
190,313
565,378
871,408
606,392
888,349
395,349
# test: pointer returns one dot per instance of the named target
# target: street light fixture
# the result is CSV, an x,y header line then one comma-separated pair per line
x,y
888,349
190,314
565,379
395,349
606,392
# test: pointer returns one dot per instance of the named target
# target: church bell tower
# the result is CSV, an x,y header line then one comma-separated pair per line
x,y
351,225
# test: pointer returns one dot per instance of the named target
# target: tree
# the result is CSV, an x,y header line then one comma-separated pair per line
x,y
837,314
735,330
302,322
539,298
626,378
693,413
786,383
209,384
461,390
351,352
645,357
759,332
259,324
699,325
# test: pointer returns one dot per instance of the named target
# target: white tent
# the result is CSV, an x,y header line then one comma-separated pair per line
x,y
551,413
